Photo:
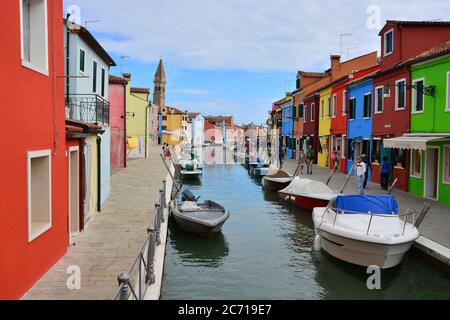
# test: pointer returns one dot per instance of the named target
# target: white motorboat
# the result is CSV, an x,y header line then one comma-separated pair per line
x,y
190,169
365,230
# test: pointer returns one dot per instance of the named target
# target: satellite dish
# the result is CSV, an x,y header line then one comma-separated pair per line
x,y
73,17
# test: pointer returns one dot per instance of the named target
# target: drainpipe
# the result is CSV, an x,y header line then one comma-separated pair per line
x,y
82,183
99,174
146,127
67,60
125,127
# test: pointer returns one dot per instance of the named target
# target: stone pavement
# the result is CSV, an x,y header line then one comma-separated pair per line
x,y
112,239
436,225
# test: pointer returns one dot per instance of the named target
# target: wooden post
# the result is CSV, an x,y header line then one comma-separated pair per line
x,y
170,173
297,170
426,208
347,179
393,186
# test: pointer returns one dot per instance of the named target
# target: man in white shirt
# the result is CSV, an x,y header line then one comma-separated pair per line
x,y
360,174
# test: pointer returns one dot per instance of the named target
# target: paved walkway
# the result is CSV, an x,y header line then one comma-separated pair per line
x,y
112,239
436,225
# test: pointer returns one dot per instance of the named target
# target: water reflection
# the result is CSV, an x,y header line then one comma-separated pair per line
x,y
198,251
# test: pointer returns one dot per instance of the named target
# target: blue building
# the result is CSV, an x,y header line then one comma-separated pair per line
x,y
287,127
359,130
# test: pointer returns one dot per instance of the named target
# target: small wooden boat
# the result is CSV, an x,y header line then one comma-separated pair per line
x,y
364,230
190,169
205,218
307,194
278,181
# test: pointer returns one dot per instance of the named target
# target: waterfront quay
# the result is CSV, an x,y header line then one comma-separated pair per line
x,y
111,240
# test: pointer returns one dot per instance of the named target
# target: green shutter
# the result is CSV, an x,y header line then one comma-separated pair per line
x,y
294,112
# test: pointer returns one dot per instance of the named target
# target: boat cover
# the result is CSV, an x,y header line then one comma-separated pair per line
x,y
190,206
306,186
376,204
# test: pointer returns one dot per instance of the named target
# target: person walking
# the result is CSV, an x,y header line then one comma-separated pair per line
x,y
302,161
360,175
385,173
281,156
366,176
309,159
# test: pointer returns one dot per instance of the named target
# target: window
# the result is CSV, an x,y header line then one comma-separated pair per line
x,y
39,193
448,92
103,81
447,164
349,149
305,114
376,150
329,107
416,163
82,60
33,27
389,42
294,112
400,96
344,103
334,106
322,109
164,118
94,76
379,99
352,109
313,106
343,155
417,96
164,128
300,111
367,105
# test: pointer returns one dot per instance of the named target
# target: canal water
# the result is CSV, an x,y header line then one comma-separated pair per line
x,y
264,252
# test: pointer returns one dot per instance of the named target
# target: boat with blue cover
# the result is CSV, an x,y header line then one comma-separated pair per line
x,y
365,230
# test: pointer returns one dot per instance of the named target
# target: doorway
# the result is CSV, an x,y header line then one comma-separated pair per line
x,y
74,191
432,173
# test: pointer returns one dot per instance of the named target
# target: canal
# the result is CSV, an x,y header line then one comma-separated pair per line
x,y
264,252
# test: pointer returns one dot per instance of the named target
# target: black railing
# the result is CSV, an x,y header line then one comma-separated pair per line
x,y
134,283
87,108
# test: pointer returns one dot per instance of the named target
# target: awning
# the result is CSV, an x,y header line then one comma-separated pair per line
x,y
418,142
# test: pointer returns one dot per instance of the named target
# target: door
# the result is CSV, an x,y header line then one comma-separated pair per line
x,y
74,191
88,172
432,173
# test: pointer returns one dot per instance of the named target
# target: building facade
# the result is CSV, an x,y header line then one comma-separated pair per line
x,y
174,125
198,128
323,157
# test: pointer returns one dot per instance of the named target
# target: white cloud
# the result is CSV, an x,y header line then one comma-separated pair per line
x,y
192,91
249,35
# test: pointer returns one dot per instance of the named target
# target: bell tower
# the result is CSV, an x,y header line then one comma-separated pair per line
x,y
159,92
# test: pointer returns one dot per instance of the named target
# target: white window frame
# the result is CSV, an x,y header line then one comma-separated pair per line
x,y
414,97
334,106
375,109
103,81
344,103
313,111
371,102
28,64
413,174
349,119
385,53
96,80
447,82
445,180
343,145
396,94
85,60
329,107
31,155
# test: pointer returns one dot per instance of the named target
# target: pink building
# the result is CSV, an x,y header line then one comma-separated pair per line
x,y
117,100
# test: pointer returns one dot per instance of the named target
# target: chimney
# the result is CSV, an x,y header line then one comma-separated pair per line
x,y
126,76
335,63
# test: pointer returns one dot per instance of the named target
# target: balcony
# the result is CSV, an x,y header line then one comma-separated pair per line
x,y
87,108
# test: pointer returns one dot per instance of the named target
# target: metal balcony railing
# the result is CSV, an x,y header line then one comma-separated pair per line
x,y
87,108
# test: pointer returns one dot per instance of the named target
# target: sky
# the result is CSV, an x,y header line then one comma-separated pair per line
x,y
235,57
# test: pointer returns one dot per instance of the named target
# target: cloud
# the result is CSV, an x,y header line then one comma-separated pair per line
x,y
251,35
192,91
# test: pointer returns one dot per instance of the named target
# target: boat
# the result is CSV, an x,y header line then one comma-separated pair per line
x,y
364,230
259,171
307,194
205,218
190,169
278,181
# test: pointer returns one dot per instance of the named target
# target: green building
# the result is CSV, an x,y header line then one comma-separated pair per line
x,y
429,139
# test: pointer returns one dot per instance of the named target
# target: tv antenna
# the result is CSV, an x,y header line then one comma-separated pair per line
x,y
342,35
122,58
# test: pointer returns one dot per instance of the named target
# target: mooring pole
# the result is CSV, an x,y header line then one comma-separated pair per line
x,y
331,175
426,208
170,173
393,186
347,179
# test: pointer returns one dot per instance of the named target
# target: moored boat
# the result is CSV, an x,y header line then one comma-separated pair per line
x,y
278,181
364,230
307,194
205,218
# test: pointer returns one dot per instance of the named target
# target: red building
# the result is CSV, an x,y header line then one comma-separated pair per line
x,y
34,197
339,117
400,41
311,123
117,118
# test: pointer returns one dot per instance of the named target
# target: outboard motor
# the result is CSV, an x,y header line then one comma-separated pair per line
x,y
187,195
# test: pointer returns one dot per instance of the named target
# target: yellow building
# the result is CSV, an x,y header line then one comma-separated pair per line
x,y
138,119
174,125
323,157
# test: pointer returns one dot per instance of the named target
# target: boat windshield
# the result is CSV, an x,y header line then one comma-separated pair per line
x,y
380,204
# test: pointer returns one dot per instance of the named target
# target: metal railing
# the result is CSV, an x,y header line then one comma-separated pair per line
x,y
338,212
88,108
134,283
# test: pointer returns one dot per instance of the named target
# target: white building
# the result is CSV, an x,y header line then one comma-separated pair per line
x,y
197,128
